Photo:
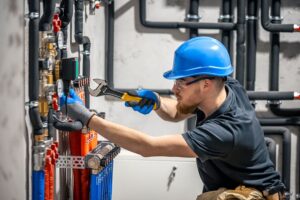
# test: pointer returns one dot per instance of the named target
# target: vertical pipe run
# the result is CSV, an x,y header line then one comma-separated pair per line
x,y
251,44
240,43
227,17
286,151
193,16
109,45
38,180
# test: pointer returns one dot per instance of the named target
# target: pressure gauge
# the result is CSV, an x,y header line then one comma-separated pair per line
x,y
59,88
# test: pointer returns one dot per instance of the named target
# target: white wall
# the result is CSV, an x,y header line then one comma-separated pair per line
x,y
12,121
141,56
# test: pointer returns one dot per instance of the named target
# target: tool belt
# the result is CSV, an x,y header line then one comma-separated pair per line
x,y
239,193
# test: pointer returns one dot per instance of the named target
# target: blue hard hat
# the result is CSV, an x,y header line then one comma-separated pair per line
x,y
200,56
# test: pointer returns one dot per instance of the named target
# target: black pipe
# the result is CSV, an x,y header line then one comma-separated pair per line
x,y
51,128
193,16
48,12
109,51
268,24
109,44
251,44
66,15
270,95
67,12
227,17
274,65
276,121
271,145
286,151
85,41
240,42
34,11
176,25
284,112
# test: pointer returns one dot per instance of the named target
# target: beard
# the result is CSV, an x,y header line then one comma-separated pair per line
x,y
186,109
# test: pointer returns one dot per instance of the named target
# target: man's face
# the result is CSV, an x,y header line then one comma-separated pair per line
x,y
188,93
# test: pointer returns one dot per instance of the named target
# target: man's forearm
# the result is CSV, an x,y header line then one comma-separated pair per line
x,y
125,137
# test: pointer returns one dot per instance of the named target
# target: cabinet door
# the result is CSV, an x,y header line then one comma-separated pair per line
x,y
158,178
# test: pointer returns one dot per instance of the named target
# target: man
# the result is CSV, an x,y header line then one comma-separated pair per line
x,y
227,142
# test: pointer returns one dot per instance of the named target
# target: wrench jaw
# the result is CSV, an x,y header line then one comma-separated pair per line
x,y
101,88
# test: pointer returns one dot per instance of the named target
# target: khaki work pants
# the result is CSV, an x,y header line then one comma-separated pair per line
x,y
239,193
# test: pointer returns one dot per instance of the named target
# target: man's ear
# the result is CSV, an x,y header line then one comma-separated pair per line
x,y
206,83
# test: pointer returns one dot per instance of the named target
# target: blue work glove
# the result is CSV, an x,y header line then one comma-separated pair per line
x,y
75,108
146,105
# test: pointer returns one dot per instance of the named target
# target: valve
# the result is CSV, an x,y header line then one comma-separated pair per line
x,y
56,23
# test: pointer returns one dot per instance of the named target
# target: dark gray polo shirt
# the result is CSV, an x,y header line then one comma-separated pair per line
x,y
230,145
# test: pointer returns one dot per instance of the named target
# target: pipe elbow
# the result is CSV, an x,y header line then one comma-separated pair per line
x,y
36,121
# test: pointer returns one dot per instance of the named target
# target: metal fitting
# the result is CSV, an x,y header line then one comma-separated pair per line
x,y
85,52
33,15
251,18
274,102
38,157
221,17
32,104
276,18
190,17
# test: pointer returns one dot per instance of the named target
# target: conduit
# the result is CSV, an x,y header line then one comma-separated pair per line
x,y
85,41
48,12
286,151
225,18
274,62
65,16
268,23
251,44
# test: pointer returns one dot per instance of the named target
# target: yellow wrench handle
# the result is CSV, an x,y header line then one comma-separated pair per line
x,y
127,97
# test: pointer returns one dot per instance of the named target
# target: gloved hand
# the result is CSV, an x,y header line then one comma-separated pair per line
x,y
145,106
75,108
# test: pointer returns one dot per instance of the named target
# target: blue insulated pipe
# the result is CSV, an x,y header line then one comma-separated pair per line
x,y
38,185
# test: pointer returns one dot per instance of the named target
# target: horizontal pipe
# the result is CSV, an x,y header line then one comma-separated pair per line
x,y
271,95
176,25
271,27
276,121
284,112
286,150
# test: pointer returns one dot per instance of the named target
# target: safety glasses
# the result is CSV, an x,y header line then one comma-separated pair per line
x,y
181,83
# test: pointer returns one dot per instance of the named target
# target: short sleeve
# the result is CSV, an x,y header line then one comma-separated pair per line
x,y
210,141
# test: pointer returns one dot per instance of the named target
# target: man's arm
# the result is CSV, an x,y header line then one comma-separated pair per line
x,y
168,110
141,143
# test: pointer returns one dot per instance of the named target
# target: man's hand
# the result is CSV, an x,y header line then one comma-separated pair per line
x,y
146,105
73,107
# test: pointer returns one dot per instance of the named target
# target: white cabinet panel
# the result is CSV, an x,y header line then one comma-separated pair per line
x,y
138,178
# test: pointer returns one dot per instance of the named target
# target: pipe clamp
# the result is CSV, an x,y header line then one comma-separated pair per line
x,y
33,15
32,104
190,17
85,52
221,17
276,18
251,17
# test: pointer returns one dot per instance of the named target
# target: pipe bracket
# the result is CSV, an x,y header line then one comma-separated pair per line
x,y
251,17
85,52
276,18
221,17
274,102
190,17
33,15
32,104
